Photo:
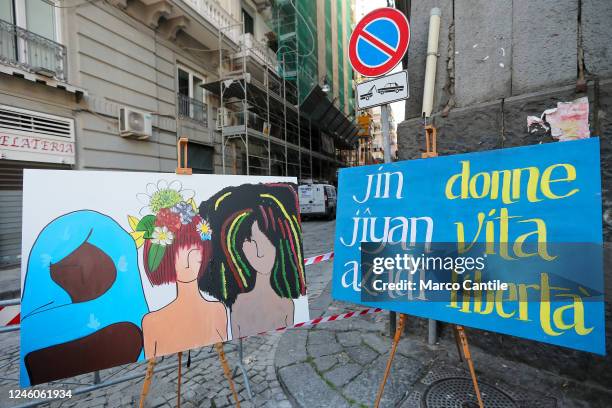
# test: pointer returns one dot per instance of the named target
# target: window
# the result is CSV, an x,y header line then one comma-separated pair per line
x,y
191,96
249,23
40,18
200,158
24,30
37,16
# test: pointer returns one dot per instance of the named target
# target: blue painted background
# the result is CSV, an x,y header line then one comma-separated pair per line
x,y
574,219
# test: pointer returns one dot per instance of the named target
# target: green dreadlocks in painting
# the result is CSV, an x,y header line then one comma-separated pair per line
x,y
257,232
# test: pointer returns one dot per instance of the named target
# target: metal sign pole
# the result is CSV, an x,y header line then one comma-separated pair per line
x,y
384,117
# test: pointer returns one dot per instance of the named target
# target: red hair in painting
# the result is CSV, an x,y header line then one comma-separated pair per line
x,y
186,237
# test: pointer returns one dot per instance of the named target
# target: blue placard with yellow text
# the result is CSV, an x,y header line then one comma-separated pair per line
x,y
533,213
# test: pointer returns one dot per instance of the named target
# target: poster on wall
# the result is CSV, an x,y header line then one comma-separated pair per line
x,y
121,267
505,240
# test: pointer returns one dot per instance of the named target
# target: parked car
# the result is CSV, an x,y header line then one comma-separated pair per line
x,y
391,87
317,200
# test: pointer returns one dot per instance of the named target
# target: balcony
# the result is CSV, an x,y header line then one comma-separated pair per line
x,y
31,52
192,109
218,17
258,49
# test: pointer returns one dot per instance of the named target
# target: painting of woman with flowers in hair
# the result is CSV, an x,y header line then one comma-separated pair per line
x,y
143,272
258,267
177,251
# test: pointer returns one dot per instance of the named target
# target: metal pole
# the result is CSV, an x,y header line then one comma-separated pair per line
x,y
384,118
7,329
285,113
246,101
221,117
242,368
268,120
11,302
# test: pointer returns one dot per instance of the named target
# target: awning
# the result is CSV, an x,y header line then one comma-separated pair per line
x,y
329,119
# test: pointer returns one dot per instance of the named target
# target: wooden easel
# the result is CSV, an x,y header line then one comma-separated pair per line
x,y
431,148
463,347
181,149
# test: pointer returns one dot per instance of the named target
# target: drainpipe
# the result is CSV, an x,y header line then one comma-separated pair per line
x,y
432,59
428,95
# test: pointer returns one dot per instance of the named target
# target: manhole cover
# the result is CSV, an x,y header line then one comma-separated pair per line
x,y
458,392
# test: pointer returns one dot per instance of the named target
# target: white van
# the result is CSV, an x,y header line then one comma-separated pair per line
x,y
317,200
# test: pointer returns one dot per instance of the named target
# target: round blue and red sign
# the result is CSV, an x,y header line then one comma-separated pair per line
x,y
379,41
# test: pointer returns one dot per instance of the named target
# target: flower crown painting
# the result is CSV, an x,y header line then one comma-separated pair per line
x,y
177,250
182,264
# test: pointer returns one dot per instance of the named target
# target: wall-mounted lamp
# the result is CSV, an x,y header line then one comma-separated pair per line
x,y
325,86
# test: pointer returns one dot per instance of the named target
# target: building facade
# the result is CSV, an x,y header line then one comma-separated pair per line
x,y
111,85
499,63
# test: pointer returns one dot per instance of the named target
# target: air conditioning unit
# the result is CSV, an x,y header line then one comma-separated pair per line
x,y
135,124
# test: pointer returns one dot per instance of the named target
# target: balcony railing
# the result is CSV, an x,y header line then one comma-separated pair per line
x,y
32,52
192,109
218,17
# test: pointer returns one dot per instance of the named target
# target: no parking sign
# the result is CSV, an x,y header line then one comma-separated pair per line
x,y
379,41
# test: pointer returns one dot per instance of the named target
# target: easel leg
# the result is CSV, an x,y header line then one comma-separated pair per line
x,y
458,343
396,339
227,371
178,389
468,358
243,371
147,382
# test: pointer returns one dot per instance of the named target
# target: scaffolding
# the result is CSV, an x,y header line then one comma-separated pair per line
x,y
260,91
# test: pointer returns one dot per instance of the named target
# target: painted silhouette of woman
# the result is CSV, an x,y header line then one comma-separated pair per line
x,y
258,266
190,320
82,302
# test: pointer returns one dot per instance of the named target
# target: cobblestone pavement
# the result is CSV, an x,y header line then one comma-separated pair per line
x,y
203,383
341,364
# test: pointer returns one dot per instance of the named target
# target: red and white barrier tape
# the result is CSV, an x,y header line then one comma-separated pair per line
x,y
325,319
318,258
9,315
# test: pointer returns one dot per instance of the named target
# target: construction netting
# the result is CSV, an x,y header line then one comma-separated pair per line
x,y
329,58
307,46
349,28
294,23
338,39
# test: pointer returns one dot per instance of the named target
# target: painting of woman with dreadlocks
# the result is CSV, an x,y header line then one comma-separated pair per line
x,y
258,267
177,251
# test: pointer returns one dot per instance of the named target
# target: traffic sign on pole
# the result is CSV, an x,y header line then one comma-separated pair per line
x,y
382,90
379,41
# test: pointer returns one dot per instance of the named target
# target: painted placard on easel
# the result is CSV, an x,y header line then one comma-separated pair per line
x,y
505,240
121,267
